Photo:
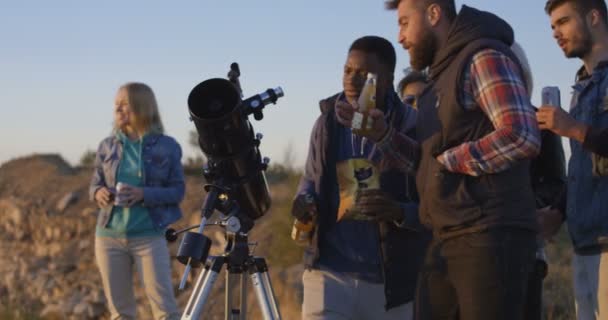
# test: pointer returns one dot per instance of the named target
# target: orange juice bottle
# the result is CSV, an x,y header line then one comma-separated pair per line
x,y
302,232
361,123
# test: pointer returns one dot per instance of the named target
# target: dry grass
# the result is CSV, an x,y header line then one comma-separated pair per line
x,y
13,312
558,294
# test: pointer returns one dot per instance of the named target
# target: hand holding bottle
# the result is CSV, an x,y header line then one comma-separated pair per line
x,y
305,212
304,207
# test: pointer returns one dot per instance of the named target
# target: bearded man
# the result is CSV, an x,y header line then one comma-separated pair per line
x,y
476,133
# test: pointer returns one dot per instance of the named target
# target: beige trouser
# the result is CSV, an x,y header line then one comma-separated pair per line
x,y
591,286
330,295
116,258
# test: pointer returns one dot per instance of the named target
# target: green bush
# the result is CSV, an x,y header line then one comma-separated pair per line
x,y
88,158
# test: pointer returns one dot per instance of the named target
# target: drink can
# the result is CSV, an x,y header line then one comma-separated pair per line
x,y
551,97
118,201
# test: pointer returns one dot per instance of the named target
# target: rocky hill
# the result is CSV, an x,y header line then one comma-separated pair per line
x,y
47,223
47,265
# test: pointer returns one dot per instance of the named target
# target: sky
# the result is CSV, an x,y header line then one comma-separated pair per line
x,y
61,63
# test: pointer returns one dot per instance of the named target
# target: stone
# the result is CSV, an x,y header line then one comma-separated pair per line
x,y
84,310
89,211
10,211
52,312
84,245
96,297
66,201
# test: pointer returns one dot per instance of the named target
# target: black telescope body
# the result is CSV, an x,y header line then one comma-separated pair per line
x,y
227,139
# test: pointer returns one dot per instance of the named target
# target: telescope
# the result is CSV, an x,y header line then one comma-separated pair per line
x,y
236,187
226,137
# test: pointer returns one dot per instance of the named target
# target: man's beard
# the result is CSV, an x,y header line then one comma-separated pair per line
x,y
583,45
422,55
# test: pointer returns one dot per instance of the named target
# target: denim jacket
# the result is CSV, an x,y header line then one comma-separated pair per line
x,y
587,205
163,177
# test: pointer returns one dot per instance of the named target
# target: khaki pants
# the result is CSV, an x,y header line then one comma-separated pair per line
x,y
591,286
330,295
116,259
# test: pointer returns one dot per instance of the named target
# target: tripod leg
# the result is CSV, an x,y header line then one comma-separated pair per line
x,y
203,288
231,280
263,290
271,296
230,312
243,293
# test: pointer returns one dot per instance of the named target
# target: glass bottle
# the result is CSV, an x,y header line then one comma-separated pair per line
x,y
361,123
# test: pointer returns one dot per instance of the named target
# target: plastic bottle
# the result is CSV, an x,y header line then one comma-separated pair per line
x,y
367,101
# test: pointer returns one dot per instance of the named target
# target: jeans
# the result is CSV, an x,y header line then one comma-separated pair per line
x,y
591,286
330,295
477,276
533,308
116,258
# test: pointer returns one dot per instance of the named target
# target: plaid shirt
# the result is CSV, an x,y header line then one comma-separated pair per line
x,y
494,84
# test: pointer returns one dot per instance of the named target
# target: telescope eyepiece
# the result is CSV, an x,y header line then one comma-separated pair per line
x,y
255,104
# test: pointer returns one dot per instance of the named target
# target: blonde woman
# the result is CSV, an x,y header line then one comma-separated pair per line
x,y
132,220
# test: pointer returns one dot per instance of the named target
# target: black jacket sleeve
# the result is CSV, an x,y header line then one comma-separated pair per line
x,y
593,141
548,170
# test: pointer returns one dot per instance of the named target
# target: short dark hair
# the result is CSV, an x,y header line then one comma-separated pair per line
x,y
582,6
412,76
448,7
379,46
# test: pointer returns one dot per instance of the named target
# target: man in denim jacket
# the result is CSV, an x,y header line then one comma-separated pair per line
x,y
581,30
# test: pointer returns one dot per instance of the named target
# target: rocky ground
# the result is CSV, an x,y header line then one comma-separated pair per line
x,y
47,266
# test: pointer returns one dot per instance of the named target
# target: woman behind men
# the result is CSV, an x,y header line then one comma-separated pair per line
x,y
411,86
132,221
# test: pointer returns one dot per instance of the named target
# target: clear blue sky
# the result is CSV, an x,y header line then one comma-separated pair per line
x,y
62,61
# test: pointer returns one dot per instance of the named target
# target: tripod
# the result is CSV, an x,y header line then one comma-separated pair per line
x,y
239,263
237,258
237,186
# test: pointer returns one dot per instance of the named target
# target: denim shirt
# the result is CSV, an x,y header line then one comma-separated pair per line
x,y
163,177
587,209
